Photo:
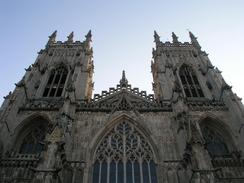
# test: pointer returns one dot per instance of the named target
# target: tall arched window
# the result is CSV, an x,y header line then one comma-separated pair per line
x,y
124,156
190,82
56,81
33,141
215,143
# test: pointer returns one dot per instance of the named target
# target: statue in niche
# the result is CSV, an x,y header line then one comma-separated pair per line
x,y
65,123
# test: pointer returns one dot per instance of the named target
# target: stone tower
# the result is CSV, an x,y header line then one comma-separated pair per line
x,y
190,130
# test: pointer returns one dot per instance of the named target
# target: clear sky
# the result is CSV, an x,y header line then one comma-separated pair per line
x,y
122,35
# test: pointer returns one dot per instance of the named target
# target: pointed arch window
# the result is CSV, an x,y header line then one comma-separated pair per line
x,y
215,143
190,82
56,82
33,141
124,156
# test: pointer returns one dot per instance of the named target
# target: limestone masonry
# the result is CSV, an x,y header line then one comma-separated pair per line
x,y
191,130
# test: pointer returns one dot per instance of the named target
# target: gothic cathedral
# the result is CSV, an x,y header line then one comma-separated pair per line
x,y
191,130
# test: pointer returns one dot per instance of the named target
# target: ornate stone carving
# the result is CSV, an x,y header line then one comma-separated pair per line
x,y
123,97
206,105
55,136
183,119
42,105
15,167
65,123
8,96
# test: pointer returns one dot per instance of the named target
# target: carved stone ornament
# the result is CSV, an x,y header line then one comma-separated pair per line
x,y
195,137
21,83
42,104
37,84
182,118
8,96
55,136
123,97
65,123
206,105
70,87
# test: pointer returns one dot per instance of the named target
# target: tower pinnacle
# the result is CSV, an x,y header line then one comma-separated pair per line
x,y
70,37
175,38
52,38
89,36
192,36
156,37
194,41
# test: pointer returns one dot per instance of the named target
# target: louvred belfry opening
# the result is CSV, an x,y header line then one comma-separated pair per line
x,y
56,82
190,82
124,156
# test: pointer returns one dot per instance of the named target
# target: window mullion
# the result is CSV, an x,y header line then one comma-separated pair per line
x,y
116,172
51,85
141,172
100,172
124,164
194,85
108,171
133,176
149,172
59,81
124,156
187,84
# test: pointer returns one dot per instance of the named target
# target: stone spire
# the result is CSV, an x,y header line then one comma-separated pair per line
x,y
123,82
52,38
175,38
156,37
194,41
70,37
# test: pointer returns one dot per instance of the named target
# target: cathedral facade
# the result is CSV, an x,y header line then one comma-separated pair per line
x,y
52,130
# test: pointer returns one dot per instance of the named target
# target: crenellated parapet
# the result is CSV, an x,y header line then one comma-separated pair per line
x,y
118,89
125,87
69,43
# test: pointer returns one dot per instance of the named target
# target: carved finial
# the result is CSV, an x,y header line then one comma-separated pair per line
x,y
123,81
89,36
70,37
52,38
175,38
21,83
194,41
8,96
193,38
156,37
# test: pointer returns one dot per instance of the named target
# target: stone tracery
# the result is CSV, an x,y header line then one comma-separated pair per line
x,y
124,155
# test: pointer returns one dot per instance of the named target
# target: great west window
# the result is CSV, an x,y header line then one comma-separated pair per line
x,y
124,156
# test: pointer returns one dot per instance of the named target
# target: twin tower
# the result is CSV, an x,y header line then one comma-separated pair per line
x,y
191,130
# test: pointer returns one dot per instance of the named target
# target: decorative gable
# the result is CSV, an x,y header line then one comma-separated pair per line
x,y
124,97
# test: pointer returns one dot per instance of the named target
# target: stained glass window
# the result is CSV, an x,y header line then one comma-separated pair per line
x,y
214,142
33,141
124,156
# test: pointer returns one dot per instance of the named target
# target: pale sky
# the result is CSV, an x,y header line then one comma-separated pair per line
x,y
122,35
